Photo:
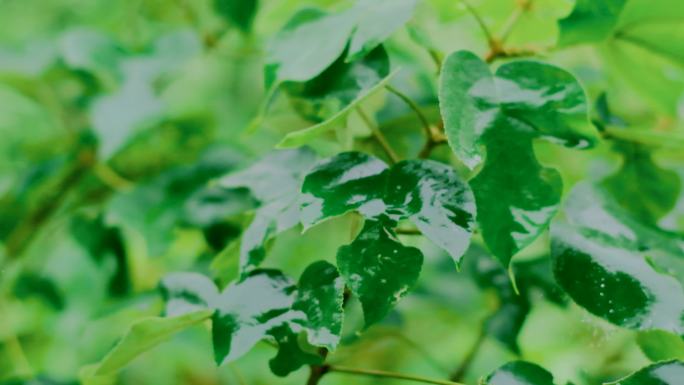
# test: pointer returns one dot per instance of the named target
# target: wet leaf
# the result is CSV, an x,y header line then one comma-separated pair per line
x,y
378,269
499,115
618,270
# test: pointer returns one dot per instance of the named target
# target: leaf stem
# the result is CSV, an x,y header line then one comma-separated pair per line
x,y
406,99
462,369
485,30
379,137
523,6
384,374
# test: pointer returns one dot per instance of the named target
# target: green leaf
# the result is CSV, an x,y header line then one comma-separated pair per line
x,y
267,304
617,269
378,269
590,21
376,21
502,114
187,293
338,86
640,186
344,182
312,40
659,345
519,373
143,336
434,197
238,12
428,193
303,136
308,44
662,373
275,182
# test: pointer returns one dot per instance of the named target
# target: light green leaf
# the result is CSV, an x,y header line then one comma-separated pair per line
x,y
590,21
659,345
662,373
143,336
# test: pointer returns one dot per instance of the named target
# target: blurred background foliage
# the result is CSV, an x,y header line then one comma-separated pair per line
x,y
116,116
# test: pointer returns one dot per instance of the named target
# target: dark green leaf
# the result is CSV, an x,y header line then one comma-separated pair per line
x,y
345,182
378,269
275,182
519,373
238,12
502,114
187,292
590,21
616,269
663,373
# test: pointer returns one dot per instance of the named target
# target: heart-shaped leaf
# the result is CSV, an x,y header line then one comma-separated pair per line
x,y
502,113
378,269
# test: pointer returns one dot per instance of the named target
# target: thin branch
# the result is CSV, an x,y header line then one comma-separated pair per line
x,y
414,107
485,30
379,137
437,138
316,374
462,369
384,374
522,8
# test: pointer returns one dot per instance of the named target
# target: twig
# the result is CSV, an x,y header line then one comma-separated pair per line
x,y
414,107
379,137
384,374
317,373
485,30
462,369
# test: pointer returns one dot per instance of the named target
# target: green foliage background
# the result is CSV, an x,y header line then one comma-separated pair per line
x,y
118,120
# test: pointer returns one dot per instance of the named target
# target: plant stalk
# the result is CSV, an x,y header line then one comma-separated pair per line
x,y
384,374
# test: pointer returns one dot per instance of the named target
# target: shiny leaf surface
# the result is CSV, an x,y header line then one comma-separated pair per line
x,y
616,271
663,373
435,198
345,182
502,114
519,373
378,269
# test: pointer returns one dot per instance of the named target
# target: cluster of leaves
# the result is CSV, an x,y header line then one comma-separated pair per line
x,y
489,197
